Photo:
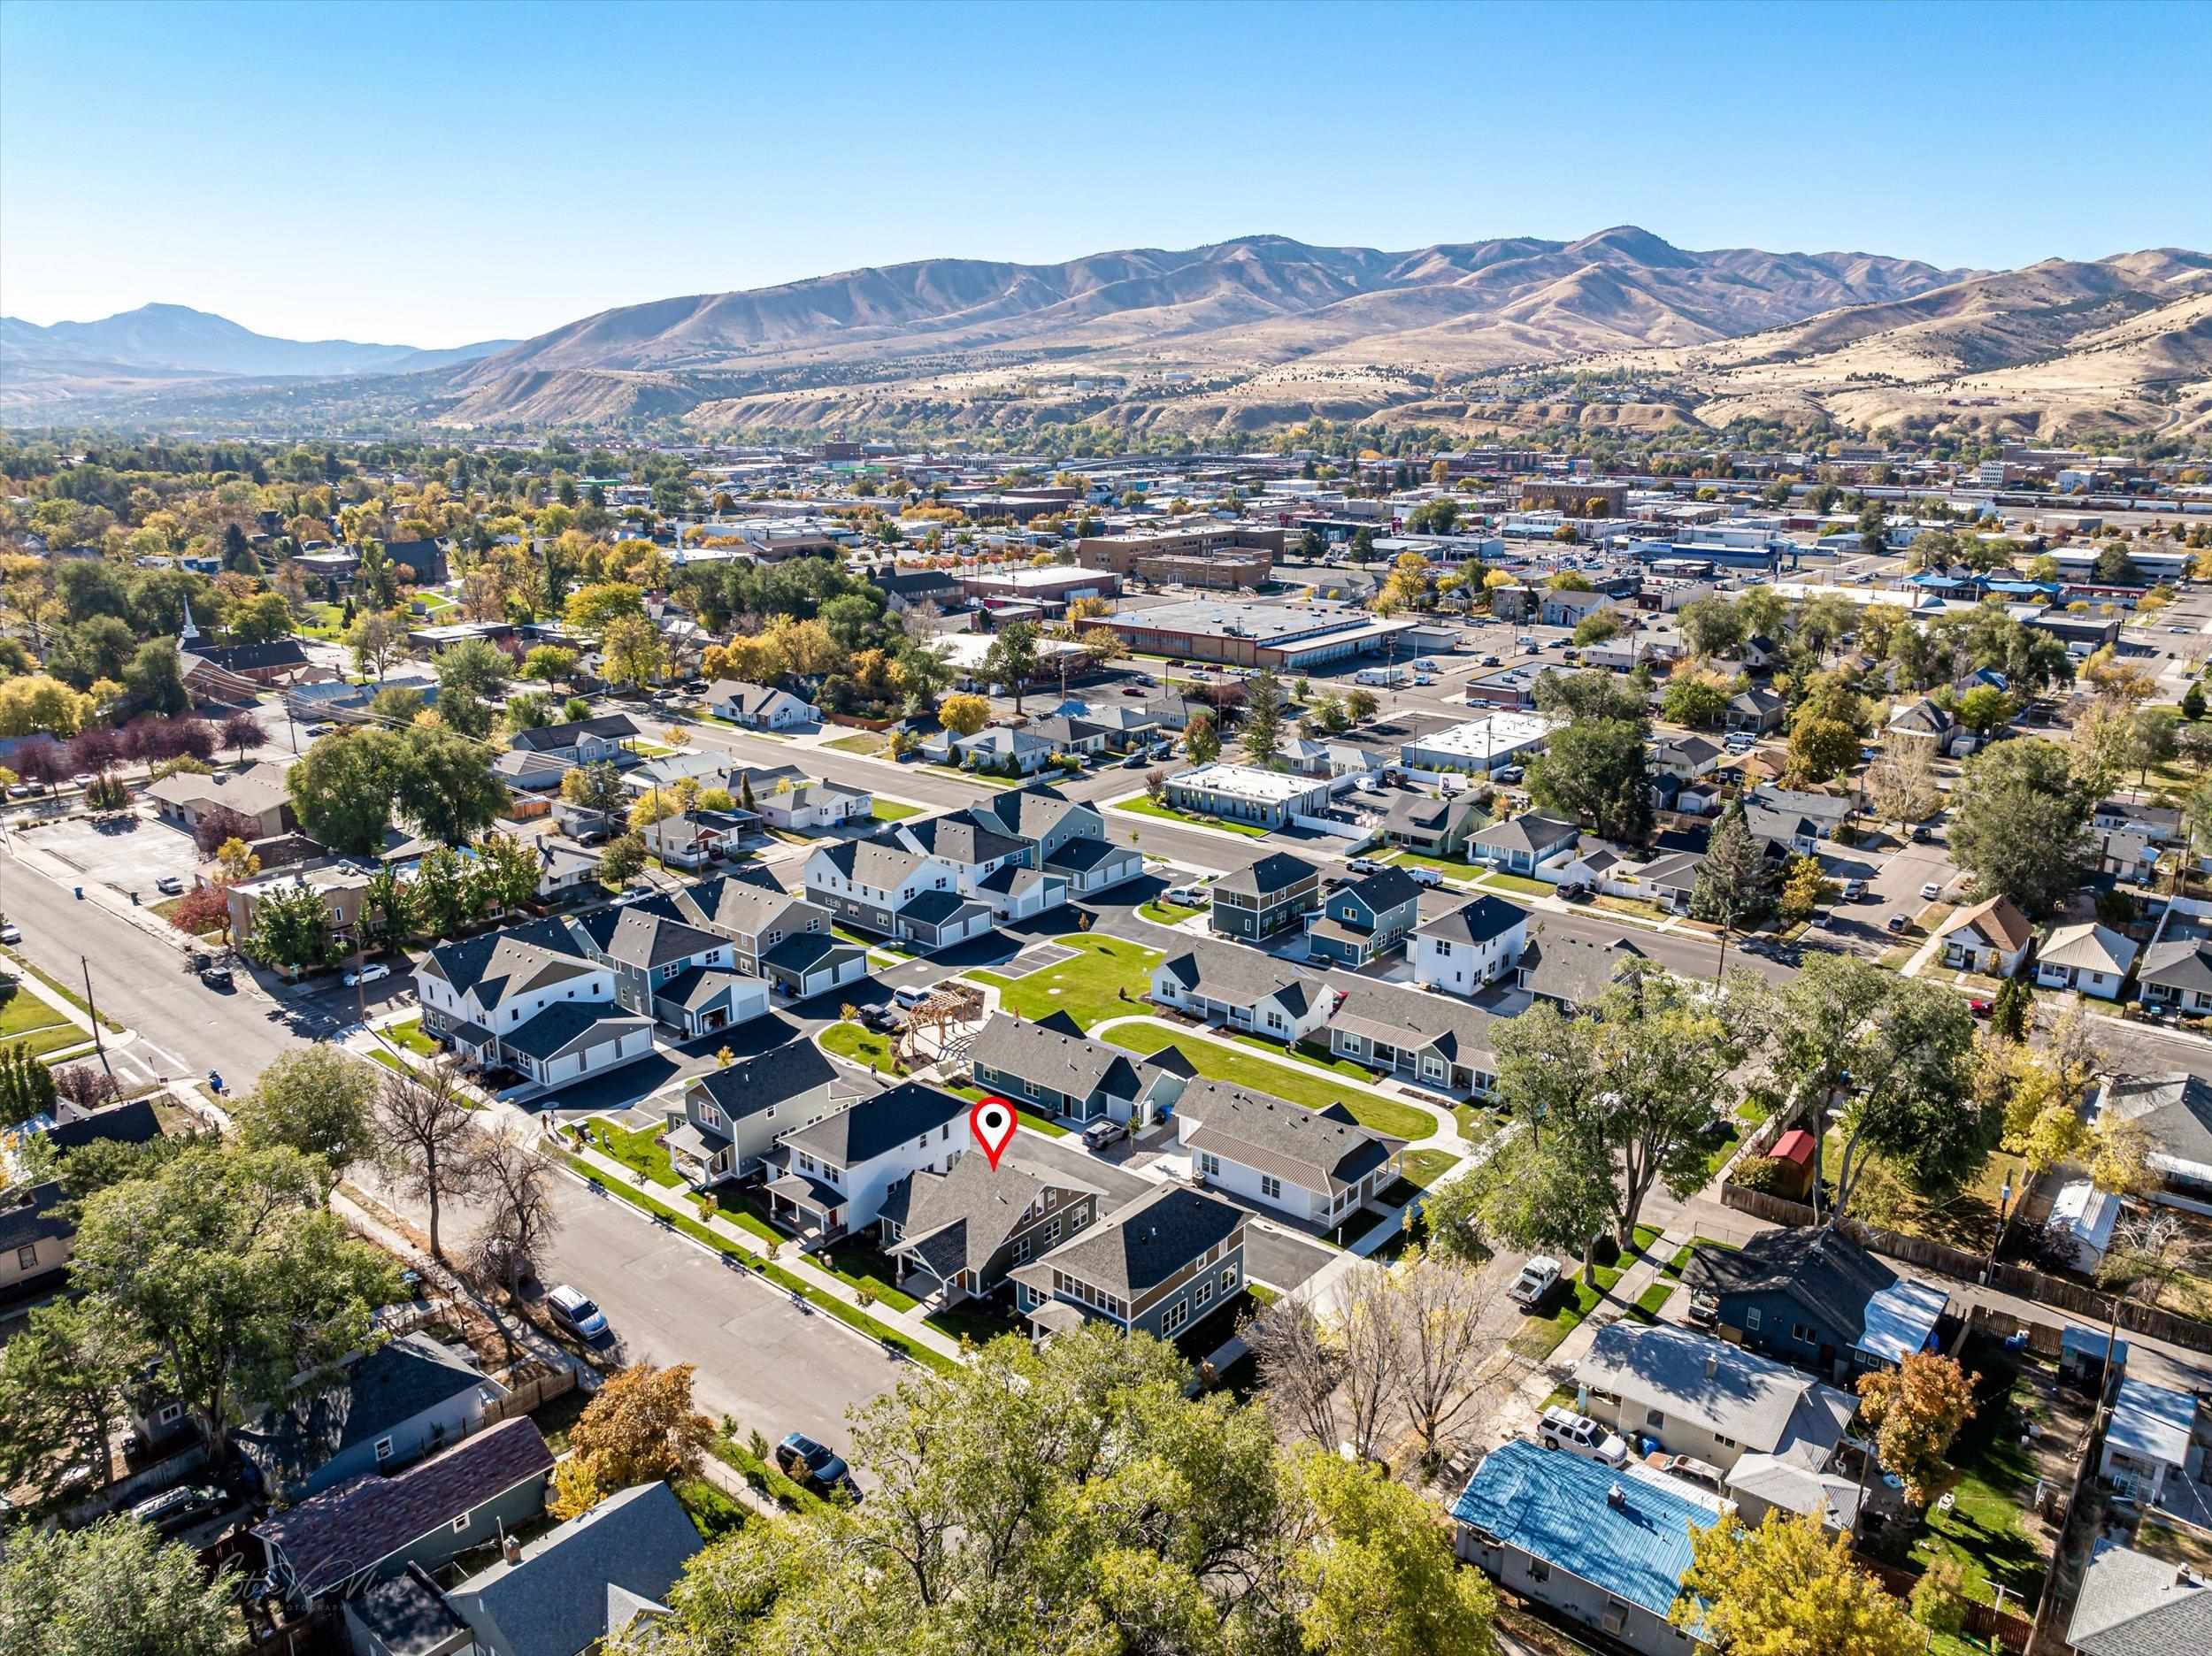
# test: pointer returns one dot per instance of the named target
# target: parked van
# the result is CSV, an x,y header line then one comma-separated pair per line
x,y
1383,676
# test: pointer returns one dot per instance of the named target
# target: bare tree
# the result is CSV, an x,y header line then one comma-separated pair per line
x,y
511,1243
1298,1373
1438,1311
425,1142
1363,1339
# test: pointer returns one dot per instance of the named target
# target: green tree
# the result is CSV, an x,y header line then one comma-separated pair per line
x,y
315,1101
114,1589
475,667
1805,889
1711,626
623,860
155,680
551,663
1734,887
224,1264
26,1085
63,1380
1694,699
261,618
507,872
1597,627
292,929
1822,749
598,788
1200,740
631,651
1264,717
1011,660
387,912
443,785
376,637
2019,824
1594,772
590,608
445,894
342,788
1984,708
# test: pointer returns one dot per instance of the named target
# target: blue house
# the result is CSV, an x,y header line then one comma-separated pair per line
x,y
1606,1548
1816,1298
1366,919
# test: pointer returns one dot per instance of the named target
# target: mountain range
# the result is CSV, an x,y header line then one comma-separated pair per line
x,y
1236,336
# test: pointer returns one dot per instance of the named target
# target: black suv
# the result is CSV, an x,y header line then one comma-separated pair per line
x,y
813,1466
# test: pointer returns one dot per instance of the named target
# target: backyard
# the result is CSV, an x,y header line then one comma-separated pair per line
x,y
1299,1084
1541,1335
1108,978
859,1045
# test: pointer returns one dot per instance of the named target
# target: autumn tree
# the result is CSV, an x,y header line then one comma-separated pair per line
x,y
1900,784
521,1216
425,1142
1915,1410
639,1428
1806,889
963,714
1787,1589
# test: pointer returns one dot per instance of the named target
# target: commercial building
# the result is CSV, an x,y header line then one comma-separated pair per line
x,y
1485,744
1296,636
1573,495
1248,793
1124,554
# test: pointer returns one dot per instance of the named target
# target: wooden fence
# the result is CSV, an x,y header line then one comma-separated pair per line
x,y
530,1386
1982,1621
2028,1284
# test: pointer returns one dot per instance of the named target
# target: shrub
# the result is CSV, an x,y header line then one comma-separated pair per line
x,y
1767,1175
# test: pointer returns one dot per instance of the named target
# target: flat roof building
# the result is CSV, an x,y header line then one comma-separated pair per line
x,y
1252,634
1487,743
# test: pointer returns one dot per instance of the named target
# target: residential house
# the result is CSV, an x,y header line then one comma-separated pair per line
x,y
257,794
1815,1297
1573,972
1070,734
759,706
405,1616
579,1587
1317,1166
753,914
1333,759
1245,794
1524,845
410,1397
2135,1604
1431,825
2156,1446
1127,728
1667,881
1603,1547
1001,751
1708,1399
1991,938
582,741
1925,722
1244,989
1793,823
1363,921
342,883
2176,977
1756,711
1687,758
837,1170
37,1236
671,972
884,887
959,1234
1160,1265
1441,1045
1065,839
2175,1112
692,838
813,807
1271,895
1054,1069
1471,946
530,998
721,1125
2161,824
2092,958
2129,856
332,1545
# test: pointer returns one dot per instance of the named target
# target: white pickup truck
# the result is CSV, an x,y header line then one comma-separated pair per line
x,y
1535,1281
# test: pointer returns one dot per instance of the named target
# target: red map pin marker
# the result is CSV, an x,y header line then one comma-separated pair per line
x,y
991,1122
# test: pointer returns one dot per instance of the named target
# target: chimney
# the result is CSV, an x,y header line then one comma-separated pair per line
x,y
511,1549
1712,1364
1616,1498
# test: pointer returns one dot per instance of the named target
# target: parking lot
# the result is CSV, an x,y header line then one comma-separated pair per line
x,y
130,853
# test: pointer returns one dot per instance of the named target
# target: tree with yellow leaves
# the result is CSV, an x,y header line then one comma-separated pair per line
x,y
1915,1410
963,714
805,648
640,1428
1786,1589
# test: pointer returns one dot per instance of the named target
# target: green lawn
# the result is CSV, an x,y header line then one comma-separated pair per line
x,y
1515,883
1140,806
1996,1480
712,1513
860,1045
976,777
1298,1085
1450,868
981,1321
24,1015
763,1476
1166,914
891,810
865,743
408,1033
1652,1301
859,1264
1541,1334
652,750
635,1150
60,988
1108,978
377,1054
1422,1167
1032,1122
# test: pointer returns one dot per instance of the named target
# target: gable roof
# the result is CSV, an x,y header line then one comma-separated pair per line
x,y
1531,831
134,1123
2175,1110
2088,948
1429,813
1557,1508
401,1379
2182,964
636,935
551,738
1241,975
348,1531
1574,970
2132,1604
960,840
736,908
1266,877
1477,921
284,652
777,1077
955,1221
1390,888
1765,1406
566,1024
1316,1150
585,1580
258,787
749,697
882,863
1048,1056
501,963
1844,1287
871,1126
1999,920
1144,1244
1457,1031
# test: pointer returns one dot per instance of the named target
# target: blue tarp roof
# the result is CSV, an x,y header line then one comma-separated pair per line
x,y
1553,1506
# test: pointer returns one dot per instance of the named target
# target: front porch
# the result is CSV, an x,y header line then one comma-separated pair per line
x,y
810,1210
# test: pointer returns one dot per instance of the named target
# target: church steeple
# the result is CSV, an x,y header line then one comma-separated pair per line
x,y
190,633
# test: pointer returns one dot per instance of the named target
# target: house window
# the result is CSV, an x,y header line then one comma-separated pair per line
x,y
1537,1570
1204,1296
1655,1417
1052,1233
1751,1318
1270,1187
460,1523
383,1449
1443,948
27,1256
1021,1250
1802,1335
1210,1165
1726,1443
1229,1279
1177,1315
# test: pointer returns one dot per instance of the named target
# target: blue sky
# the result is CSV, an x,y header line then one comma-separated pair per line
x,y
435,173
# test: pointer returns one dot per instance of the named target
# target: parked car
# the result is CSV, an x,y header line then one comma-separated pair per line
x,y
1932,890
1135,761
1579,1435
1365,865
368,974
1103,1132
1704,1474
1574,891
1535,1281
1704,1309
1513,773
1422,664
10,932
573,1311
1854,889
1979,1008
912,995
1895,924
217,978
1425,877
1492,661
179,1508
813,1466
1920,834
1130,689
883,1020
169,886
1186,896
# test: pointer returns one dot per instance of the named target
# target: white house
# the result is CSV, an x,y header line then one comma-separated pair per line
x,y
1991,938
2154,1439
809,807
518,999
1319,1166
1244,989
1471,946
903,894
2092,958
836,1170
759,706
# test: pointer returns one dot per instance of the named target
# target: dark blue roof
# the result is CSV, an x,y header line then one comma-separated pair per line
x,y
1555,1506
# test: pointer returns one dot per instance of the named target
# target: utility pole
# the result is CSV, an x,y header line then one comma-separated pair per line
x,y
98,1045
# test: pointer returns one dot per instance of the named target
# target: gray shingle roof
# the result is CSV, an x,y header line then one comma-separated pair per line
x,y
1530,831
1723,1388
956,1221
1241,975
1269,875
583,1583
2183,963
401,1379
2176,1110
1316,1150
874,1125
795,1071
1476,922
1143,1245
2132,1604
1575,969
561,1025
